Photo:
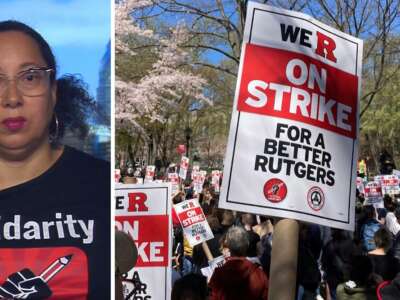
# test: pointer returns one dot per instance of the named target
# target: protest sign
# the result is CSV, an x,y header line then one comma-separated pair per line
x,y
195,169
174,179
150,172
143,212
198,181
183,167
360,185
117,175
215,177
389,184
212,265
193,221
373,194
292,148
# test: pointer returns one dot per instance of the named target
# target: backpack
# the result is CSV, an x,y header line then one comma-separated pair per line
x,y
367,234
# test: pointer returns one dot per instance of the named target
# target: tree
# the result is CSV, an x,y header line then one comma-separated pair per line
x,y
143,106
216,31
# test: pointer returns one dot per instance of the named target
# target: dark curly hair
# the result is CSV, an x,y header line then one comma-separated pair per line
x,y
73,101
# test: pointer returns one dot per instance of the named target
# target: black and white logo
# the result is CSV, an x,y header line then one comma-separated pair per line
x,y
316,198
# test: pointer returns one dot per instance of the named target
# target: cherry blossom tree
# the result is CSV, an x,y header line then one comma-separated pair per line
x,y
170,82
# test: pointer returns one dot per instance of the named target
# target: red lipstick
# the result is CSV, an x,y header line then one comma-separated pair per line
x,y
14,124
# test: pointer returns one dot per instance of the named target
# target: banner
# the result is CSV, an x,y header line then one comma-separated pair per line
x,y
150,172
193,221
292,148
144,213
183,167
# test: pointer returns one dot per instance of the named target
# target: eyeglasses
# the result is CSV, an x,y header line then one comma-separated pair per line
x,y
31,82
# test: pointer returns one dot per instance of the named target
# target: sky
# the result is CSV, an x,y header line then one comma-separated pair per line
x,y
77,30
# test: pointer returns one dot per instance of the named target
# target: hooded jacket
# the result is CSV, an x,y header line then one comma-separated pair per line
x,y
239,279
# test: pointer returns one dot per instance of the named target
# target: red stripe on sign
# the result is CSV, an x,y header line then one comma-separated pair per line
x,y
191,216
294,86
150,234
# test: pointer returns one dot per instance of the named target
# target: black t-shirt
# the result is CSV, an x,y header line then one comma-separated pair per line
x,y
55,232
385,265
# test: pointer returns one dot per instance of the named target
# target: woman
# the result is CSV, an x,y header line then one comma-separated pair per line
x,y
55,211
384,264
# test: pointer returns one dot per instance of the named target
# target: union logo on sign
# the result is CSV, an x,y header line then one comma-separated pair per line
x,y
315,198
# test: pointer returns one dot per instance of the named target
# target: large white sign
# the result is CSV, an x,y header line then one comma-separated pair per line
x,y
193,221
292,149
144,212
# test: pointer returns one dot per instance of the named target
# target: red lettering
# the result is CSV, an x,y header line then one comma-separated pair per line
x,y
325,43
137,202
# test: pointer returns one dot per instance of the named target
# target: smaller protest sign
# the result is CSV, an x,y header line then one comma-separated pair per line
x,y
195,169
390,185
215,178
193,221
373,194
117,175
174,179
360,185
150,172
198,181
212,265
183,167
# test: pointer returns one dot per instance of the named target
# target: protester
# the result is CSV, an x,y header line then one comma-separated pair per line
x,y
361,285
391,222
248,221
308,274
336,259
238,278
207,201
227,220
199,257
369,228
396,238
43,182
384,264
190,287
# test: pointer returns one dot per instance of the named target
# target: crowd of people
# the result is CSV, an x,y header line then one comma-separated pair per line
x,y
332,263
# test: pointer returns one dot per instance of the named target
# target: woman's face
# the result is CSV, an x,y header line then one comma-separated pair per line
x,y
24,119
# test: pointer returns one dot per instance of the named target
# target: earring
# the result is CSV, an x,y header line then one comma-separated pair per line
x,y
54,137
